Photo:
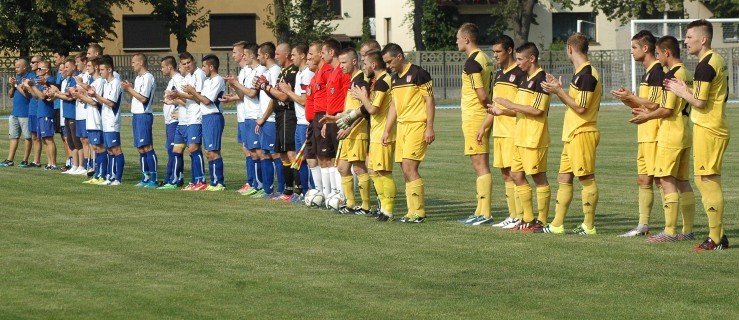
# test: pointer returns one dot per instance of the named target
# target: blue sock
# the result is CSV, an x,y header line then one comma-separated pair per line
x,y
119,161
101,164
170,166
250,171
152,161
305,182
111,167
268,175
144,167
218,172
211,171
258,175
178,175
198,172
280,175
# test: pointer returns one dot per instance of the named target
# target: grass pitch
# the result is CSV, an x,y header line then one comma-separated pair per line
x,y
69,250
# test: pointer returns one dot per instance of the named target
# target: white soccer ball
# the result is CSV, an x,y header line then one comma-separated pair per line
x,y
335,202
314,198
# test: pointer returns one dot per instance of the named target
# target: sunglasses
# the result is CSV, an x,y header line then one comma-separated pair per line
x,y
34,62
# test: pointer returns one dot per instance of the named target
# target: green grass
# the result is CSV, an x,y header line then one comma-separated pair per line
x,y
69,250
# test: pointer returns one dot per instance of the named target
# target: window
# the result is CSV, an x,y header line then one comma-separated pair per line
x,y
227,29
335,7
143,33
564,24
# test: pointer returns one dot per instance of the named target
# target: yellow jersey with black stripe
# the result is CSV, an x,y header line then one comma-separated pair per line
x,y
409,88
505,86
585,89
360,130
476,74
674,131
380,97
710,84
650,88
532,131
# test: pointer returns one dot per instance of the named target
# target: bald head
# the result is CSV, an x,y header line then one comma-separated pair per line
x,y
282,54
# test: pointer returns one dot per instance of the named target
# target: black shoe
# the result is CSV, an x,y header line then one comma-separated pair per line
x,y
23,164
385,218
7,163
345,210
724,242
413,219
360,211
34,165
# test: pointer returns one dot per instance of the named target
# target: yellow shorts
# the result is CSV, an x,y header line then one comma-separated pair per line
x,y
409,143
578,154
353,150
708,152
381,157
530,160
645,155
672,162
470,126
503,152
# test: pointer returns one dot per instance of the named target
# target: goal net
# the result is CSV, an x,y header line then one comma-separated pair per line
x,y
725,35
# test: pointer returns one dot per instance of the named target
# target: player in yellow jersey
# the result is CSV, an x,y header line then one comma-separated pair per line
x,y
354,146
580,135
673,146
476,91
505,86
710,131
413,108
531,137
650,92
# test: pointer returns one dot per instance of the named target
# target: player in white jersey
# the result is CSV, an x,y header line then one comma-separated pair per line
x,y
83,79
111,120
175,142
212,119
94,123
266,126
96,51
238,55
142,93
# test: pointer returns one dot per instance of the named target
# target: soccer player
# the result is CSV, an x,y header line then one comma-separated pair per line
x,y
476,91
110,103
212,119
94,123
505,86
238,54
673,146
45,111
96,51
337,87
175,131
312,114
82,79
142,93
710,131
265,124
580,135
303,78
32,111
322,148
413,108
59,56
531,138
69,111
195,78
650,92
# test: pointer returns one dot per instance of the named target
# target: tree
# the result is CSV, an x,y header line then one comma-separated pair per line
x,y
434,27
175,14
43,25
300,20
723,8
625,10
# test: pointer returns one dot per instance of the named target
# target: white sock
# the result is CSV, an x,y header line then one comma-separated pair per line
x,y
336,180
326,181
315,172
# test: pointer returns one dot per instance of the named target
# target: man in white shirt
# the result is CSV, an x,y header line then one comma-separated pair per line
x,y
142,93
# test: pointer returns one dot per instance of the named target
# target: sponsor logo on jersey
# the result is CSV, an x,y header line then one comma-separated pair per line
x,y
408,78
512,78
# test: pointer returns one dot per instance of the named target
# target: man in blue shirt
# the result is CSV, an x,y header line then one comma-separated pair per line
x,y
18,120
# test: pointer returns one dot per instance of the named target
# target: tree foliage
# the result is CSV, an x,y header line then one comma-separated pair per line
x,y
626,10
723,8
299,20
43,25
437,25
175,14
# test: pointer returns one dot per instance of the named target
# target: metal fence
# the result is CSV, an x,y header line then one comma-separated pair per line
x,y
445,68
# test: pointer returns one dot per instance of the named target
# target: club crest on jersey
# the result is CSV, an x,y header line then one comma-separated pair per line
x,y
408,78
332,90
531,84
309,91
512,78
576,78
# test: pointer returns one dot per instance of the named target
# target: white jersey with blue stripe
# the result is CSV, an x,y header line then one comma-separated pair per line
x,y
213,89
94,119
272,73
174,83
111,116
195,79
145,85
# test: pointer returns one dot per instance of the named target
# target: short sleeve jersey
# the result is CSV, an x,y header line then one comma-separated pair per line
x,y
45,107
506,86
674,131
338,87
650,88
380,97
476,74
532,131
360,131
264,99
32,101
94,120
241,105
112,115
287,75
58,84
318,88
145,85
68,107
252,104
410,87
711,85
81,113
213,89
21,102
302,81
174,83
585,89
195,79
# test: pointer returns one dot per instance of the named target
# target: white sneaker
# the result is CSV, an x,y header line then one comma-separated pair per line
x,y
640,230
71,170
105,183
115,183
513,224
80,171
503,223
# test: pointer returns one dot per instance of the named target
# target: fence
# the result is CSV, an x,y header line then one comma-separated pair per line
x,y
445,68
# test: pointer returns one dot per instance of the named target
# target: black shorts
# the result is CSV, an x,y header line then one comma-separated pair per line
x,y
325,147
310,144
73,141
286,122
57,117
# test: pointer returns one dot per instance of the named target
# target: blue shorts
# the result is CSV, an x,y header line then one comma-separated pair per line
x,y
180,135
112,139
194,134
252,139
170,130
241,133
141,125
81,129
300,136
95,137
45,126
32,123
267,136
213,131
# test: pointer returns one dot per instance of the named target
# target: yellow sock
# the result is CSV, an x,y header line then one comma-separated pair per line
x,y
417,194
347,183
510,198
484,189
670,203
389,192
524,194
364,190
377,183
519,207
543,196
589,201
713,202
687,206
564,197
408,199
646,200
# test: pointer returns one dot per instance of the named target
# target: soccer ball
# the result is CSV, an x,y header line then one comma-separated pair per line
x,y
314,198
334,202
